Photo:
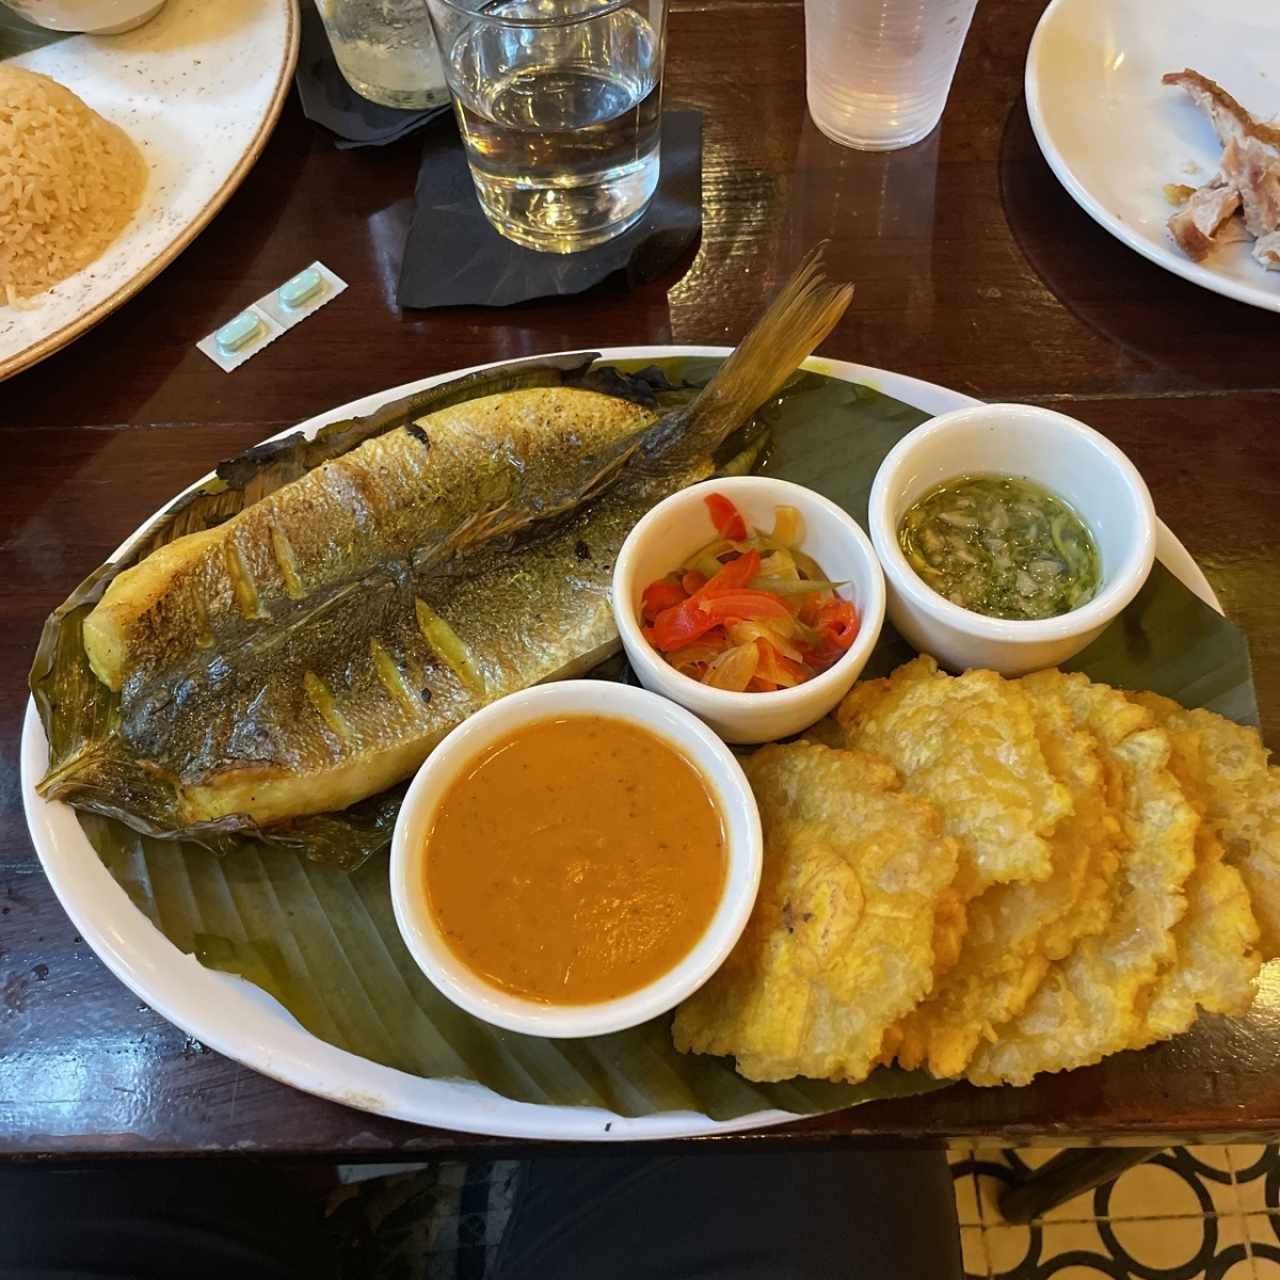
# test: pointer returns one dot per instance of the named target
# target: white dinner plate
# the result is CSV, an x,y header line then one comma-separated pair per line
x,y
199,88
243,1022
1114,135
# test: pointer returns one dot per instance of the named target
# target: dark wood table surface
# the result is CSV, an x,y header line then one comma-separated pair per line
x,y
973,269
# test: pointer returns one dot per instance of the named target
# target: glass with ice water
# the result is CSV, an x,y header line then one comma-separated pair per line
x,y
878,72
386,51
559,105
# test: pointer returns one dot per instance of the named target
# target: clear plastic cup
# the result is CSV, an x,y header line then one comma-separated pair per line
x,y
386,51
878,72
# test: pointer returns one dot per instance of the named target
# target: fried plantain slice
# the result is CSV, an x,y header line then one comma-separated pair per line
x,y
1017,930
969,745
1241,804
854,903
1092,1002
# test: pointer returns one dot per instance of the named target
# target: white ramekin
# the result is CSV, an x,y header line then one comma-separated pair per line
x,y
678,526
687,734
1064,455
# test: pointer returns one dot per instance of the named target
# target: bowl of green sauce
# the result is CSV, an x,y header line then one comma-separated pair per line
x,y
1010,536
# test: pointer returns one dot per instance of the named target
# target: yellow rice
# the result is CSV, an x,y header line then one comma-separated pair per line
x,y
69,182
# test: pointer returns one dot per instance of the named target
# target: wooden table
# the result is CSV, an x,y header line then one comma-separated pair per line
x,y
974,269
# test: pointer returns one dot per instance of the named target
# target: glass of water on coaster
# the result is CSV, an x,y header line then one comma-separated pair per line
x,y
559,103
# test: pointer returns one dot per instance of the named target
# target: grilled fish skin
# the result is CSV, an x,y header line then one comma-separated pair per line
x,y
313,649
462,474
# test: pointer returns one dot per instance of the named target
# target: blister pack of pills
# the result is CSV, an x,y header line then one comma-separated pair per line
x,y
263,321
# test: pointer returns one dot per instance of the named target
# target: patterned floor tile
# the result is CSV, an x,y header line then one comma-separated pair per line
x,y
1239,1269
1257,1175
1231,1259
1219,1156
1073,1249
1025,1161
992,1179
993,1155
1078,1209
1013,1251
1034,1157
1176,1217
449,1218
1165,1186
1263,1231
1214,1168
967,1201
1079,1271
974,1248
1161,1244
1244,1156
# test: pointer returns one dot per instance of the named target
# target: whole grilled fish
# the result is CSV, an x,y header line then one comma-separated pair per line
x,y
311,650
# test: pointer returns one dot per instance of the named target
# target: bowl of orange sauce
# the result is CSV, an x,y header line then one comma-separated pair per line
x,y
575,859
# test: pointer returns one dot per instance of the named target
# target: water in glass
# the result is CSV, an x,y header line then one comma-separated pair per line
x,y
561,122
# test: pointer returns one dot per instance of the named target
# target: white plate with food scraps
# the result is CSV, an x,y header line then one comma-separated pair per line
x,y
198,88
244,1023
1115,136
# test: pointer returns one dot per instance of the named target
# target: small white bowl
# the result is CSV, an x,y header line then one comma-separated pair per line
x,y
728,785
678,526
1064,455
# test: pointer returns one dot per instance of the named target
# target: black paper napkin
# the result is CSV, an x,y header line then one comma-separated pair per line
x,y
330,101
453,257
17,35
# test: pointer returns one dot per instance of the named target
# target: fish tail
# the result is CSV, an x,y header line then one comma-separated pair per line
x,y
795,324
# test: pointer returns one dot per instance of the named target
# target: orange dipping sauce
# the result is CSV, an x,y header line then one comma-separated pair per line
x,y
576,861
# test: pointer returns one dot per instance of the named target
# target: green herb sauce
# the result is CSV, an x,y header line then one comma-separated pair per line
x,y
1002,546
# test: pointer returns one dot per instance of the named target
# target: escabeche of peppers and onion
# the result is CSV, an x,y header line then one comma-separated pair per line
x,y
749,612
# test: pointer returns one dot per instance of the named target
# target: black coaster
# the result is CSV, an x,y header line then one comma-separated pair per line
x,y
330,101
454,258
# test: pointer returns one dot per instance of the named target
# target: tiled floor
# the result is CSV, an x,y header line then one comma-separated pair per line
x,y
1192,1213
422,1222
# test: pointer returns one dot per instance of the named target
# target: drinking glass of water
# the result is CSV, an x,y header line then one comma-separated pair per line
x,y
559,105
878,72
386,51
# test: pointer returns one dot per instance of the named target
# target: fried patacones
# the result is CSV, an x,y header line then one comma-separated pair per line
x,y
969,746
844,939
995,878
1017,930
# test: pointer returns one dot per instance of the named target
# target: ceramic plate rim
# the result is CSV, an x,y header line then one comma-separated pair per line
x,y
191,997
44,347
1162,255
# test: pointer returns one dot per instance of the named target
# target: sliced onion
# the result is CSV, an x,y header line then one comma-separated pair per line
x,y
772,669
699,651
808,566
793,586
705,562
750,632
779,563
788,527
733,669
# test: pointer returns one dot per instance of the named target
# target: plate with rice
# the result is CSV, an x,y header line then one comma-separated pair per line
x,y
116,151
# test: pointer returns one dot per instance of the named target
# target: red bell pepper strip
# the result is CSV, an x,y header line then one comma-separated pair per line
x,y
742,606
680,625
661,595
726,517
